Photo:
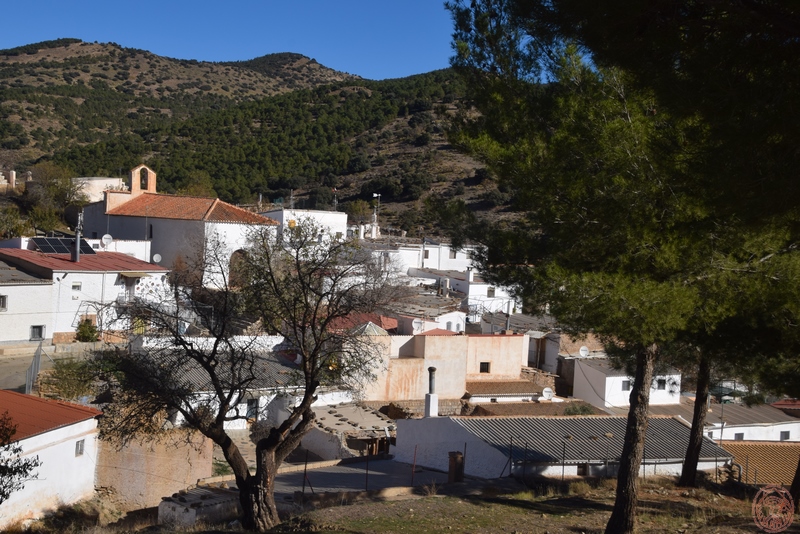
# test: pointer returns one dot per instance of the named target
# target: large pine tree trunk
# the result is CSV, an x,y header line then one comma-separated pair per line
x,y
257,494
795,489
622,520
689,471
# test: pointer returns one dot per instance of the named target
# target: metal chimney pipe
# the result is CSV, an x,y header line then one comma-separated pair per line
x,y
431,380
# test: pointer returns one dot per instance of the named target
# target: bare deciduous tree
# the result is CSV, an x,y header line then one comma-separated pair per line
x,y
205,348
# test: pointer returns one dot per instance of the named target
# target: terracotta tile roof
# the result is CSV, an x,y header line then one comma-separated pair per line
x,y
438,332
529,408
100,262
188,208
775,461
357,319
11,276
502,387
34,415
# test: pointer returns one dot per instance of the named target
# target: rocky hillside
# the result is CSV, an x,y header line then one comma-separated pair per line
x,y
278,127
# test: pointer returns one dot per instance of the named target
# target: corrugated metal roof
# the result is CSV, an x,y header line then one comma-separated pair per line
x,y
732,414
188,208
579,439
34,415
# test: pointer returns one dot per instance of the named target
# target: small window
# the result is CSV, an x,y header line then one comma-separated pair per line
x,y
661,384
151,231
76,286
626,385
486,367
3,302
427,254
710,435
37,332
449,325
490,292
739,436
785,435
79,447
452,254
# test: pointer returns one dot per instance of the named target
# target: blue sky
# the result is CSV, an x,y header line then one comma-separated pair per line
x,y
376,39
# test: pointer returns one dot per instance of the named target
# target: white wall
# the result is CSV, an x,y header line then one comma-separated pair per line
x,y
27,305
757,432
63,477
435,437
334,222
604,391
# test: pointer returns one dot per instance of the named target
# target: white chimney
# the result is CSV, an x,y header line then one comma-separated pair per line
x,y
431,398
470,275
12,179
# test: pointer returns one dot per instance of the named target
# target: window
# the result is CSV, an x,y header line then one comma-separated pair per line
x,y
785,435
739,436
252,408
79,447
710,435
452,254
76,286
490,292
449,325
37,332
661,384
427,254
3,302
485,367
151,231
626,385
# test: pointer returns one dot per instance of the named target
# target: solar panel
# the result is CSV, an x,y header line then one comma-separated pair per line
x,y
60,245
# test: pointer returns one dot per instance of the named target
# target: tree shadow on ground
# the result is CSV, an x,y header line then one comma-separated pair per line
x,y
558,505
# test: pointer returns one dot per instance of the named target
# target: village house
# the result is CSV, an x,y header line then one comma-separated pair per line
x,y
72,284
174,226
599,383
64,438
332,222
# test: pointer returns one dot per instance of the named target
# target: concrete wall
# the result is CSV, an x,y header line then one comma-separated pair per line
x,y
591,385
326,445
139,475
63,477
334,222
506,354
434,437
27,305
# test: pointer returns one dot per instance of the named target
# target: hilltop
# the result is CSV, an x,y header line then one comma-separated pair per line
x,y
273,128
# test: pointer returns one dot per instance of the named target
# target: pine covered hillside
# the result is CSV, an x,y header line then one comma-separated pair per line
x,y
274,127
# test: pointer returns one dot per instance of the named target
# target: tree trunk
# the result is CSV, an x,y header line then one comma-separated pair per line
x,y
622,520
689,471
257,494
795,489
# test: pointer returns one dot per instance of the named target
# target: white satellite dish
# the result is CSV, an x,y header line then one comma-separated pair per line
x,y
106,240
417,325
156,258
547,394
584,351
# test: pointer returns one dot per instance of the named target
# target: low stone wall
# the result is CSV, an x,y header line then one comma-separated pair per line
x,y
414,408
138,475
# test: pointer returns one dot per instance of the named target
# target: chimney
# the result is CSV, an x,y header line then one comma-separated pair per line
x,y
12,179
431,398
470,275
76,245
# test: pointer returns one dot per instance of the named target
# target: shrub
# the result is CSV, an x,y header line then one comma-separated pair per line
x,y
86,332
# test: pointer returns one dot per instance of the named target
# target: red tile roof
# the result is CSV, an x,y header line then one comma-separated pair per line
x,y
100,262
438,332
357,319
188,208
34,415
503,387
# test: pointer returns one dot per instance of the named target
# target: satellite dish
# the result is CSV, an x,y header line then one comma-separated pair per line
x,y
584,351
547,394
156,258
106,239
418,324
